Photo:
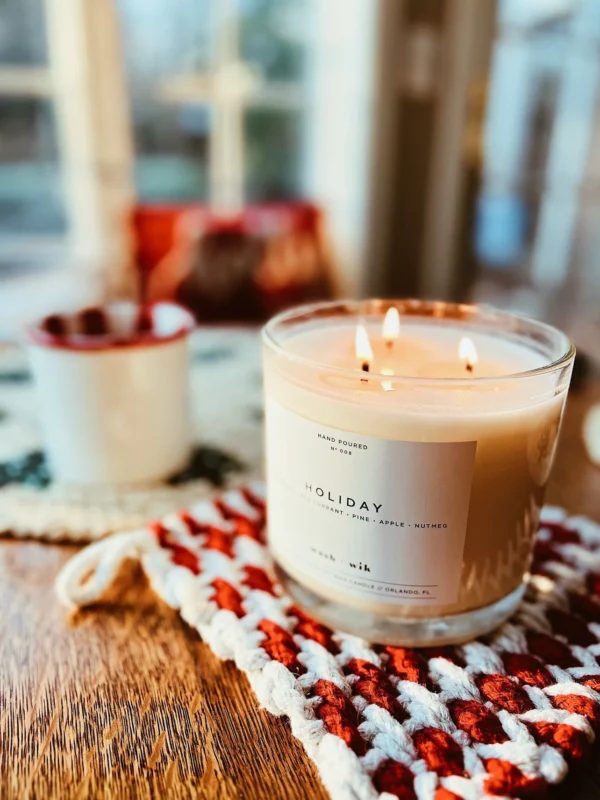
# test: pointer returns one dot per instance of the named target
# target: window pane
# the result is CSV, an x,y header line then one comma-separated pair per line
x,y
164,39
273,154
30,187
164,36
524,112
172,151
22,32
273,37
175,68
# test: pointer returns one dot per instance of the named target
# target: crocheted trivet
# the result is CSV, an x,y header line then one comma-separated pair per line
x,y
225,379
501,716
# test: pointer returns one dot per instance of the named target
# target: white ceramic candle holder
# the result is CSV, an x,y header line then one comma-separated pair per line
x,y
112,389
406,464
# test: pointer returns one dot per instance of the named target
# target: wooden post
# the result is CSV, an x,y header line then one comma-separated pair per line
x,y
95,139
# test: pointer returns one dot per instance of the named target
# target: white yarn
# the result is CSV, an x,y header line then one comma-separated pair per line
x,y
90,573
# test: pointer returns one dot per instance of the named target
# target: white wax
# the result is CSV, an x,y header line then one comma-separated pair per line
x,y
514,421
421,350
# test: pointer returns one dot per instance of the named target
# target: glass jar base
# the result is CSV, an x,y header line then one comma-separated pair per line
x,y
451,629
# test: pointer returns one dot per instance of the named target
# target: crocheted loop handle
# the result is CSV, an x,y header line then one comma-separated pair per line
x,y
86,577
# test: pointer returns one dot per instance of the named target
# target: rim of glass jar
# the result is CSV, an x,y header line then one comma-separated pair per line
x,y
464,312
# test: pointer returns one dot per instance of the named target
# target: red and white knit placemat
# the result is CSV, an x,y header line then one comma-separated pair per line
x,y
502,716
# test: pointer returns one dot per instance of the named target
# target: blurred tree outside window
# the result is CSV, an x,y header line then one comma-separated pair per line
x,y
31,196
162,38
23,32
175,52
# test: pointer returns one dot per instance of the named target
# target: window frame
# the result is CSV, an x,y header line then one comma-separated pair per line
x,y
86,80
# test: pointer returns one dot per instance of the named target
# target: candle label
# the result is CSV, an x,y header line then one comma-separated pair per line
x,y
370,517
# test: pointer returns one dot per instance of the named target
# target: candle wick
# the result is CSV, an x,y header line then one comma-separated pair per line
x,y
389,344
365,368
469,367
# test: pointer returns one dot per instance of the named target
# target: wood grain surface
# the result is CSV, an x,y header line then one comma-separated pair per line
x,y
130,704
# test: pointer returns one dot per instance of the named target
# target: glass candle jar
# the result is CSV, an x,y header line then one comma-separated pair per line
x,y
408,447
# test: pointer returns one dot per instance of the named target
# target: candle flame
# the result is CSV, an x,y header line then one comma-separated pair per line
x,y
387,386
364,351
467,352
391,326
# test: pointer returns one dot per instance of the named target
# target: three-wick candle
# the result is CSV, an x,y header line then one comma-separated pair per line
x,y
408,448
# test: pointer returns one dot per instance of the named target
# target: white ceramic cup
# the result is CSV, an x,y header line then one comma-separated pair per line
x,y
113,392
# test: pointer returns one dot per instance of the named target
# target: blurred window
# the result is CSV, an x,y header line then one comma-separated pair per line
x,y
30,200
273,147
216,96
22,32
273,37
540,122
230,101
32,213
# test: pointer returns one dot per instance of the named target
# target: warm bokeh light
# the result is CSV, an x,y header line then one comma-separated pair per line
x,y
387,386
391,326
364,351
467,352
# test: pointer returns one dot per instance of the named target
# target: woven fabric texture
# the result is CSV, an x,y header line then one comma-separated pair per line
x,y
504,716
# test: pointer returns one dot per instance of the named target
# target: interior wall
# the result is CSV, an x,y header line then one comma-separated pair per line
x,y
433,55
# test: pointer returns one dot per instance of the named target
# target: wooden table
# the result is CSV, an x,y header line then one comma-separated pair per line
x,y
132,705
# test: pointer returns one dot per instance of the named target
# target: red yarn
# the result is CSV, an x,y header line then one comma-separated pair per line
x,y
506,779
439,751
573,742
375,687
257,503
593,583
179,555
280,646
505,694
578,704
593,681
478,721
244,525
339,715
545,551
587,607
396,779
227,597
528,669
407,664
573,628
551,650
216,539
191,523
560,533
311,629
257,578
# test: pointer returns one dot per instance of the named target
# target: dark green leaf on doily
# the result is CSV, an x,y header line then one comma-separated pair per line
x,y
30,469
15,376
210,464
206,463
